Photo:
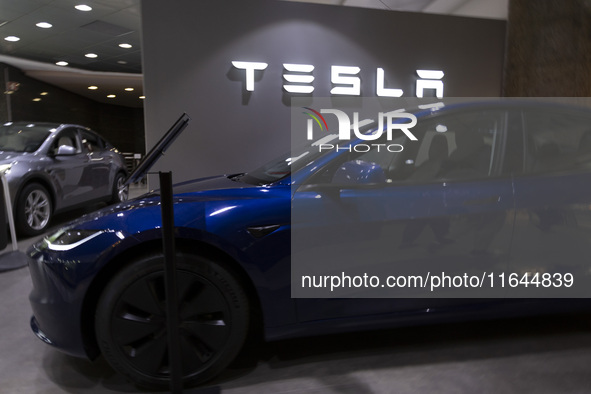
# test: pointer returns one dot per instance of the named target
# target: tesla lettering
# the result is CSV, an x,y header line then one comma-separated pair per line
x,y
298,79
432,80
380,90
250,67
343,75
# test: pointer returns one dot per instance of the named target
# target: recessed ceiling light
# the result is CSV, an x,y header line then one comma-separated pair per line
x,y
91,55
61,63
12,38
44,25
129,89
125,45
93,87
44,93
142,97
111,96
37,99
83,7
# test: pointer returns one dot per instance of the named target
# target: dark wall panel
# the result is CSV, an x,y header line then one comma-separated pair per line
x,y
189,46
549,49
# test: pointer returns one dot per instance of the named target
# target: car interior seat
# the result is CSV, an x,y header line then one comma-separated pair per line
x,y
437,155
470,159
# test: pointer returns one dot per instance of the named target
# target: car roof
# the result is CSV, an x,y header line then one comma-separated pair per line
x,y
53,125
446,104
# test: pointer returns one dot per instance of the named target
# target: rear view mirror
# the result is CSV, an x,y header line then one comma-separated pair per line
x,y
65,150
359,172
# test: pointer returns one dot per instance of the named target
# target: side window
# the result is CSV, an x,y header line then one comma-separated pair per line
x,y
458,146
67,137
91,142
558,141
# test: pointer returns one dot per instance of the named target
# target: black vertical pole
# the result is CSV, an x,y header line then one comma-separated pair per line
x,y
170,280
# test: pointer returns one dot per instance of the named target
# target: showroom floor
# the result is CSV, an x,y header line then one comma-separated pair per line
x,y
539,355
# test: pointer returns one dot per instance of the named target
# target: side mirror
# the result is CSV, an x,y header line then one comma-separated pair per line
x,y
359,172
65,150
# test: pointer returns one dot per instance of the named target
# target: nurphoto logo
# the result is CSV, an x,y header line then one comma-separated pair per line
x,y
387,124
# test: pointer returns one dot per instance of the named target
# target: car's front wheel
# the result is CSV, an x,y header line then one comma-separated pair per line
x,y
130,320
33,210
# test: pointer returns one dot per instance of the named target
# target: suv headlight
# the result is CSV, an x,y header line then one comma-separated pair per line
x,y
4,168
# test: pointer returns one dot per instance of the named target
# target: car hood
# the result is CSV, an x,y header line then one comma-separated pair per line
x,y
222,182
8,155
196,203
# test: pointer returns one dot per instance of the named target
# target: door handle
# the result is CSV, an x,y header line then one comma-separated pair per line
x,y
92,158
483,201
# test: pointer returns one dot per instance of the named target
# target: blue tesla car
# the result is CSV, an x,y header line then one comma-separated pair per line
x,y
491,193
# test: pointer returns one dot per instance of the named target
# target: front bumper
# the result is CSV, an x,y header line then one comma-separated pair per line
x,y
56,313
37,331
61,280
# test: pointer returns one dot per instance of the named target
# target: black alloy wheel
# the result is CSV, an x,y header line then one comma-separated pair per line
x,y
130,320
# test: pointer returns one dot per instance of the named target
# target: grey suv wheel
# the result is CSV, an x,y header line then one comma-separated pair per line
x,y
33,210
120,193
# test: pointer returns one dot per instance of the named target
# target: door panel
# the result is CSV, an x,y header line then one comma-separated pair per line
x,y
553,223
443,209
97,175
67,170
451,229
553,197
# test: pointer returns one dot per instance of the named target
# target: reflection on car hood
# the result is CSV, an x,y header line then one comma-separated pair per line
x,y
218,182
182,191
209,183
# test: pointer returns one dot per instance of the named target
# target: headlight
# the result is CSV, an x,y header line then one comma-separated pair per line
x,y
67,239
5,167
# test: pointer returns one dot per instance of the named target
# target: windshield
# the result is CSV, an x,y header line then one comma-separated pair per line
x,y
22,137
293,160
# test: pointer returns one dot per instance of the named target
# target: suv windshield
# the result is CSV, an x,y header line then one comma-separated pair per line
x,y
22,137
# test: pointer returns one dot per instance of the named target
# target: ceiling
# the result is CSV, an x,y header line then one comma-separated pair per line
x,y
73,34
110,23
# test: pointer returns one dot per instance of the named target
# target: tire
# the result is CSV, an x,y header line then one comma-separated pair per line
x,y
119,193
33,210
130,320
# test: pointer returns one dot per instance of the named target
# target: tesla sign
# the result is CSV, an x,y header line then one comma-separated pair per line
x,y
299,78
